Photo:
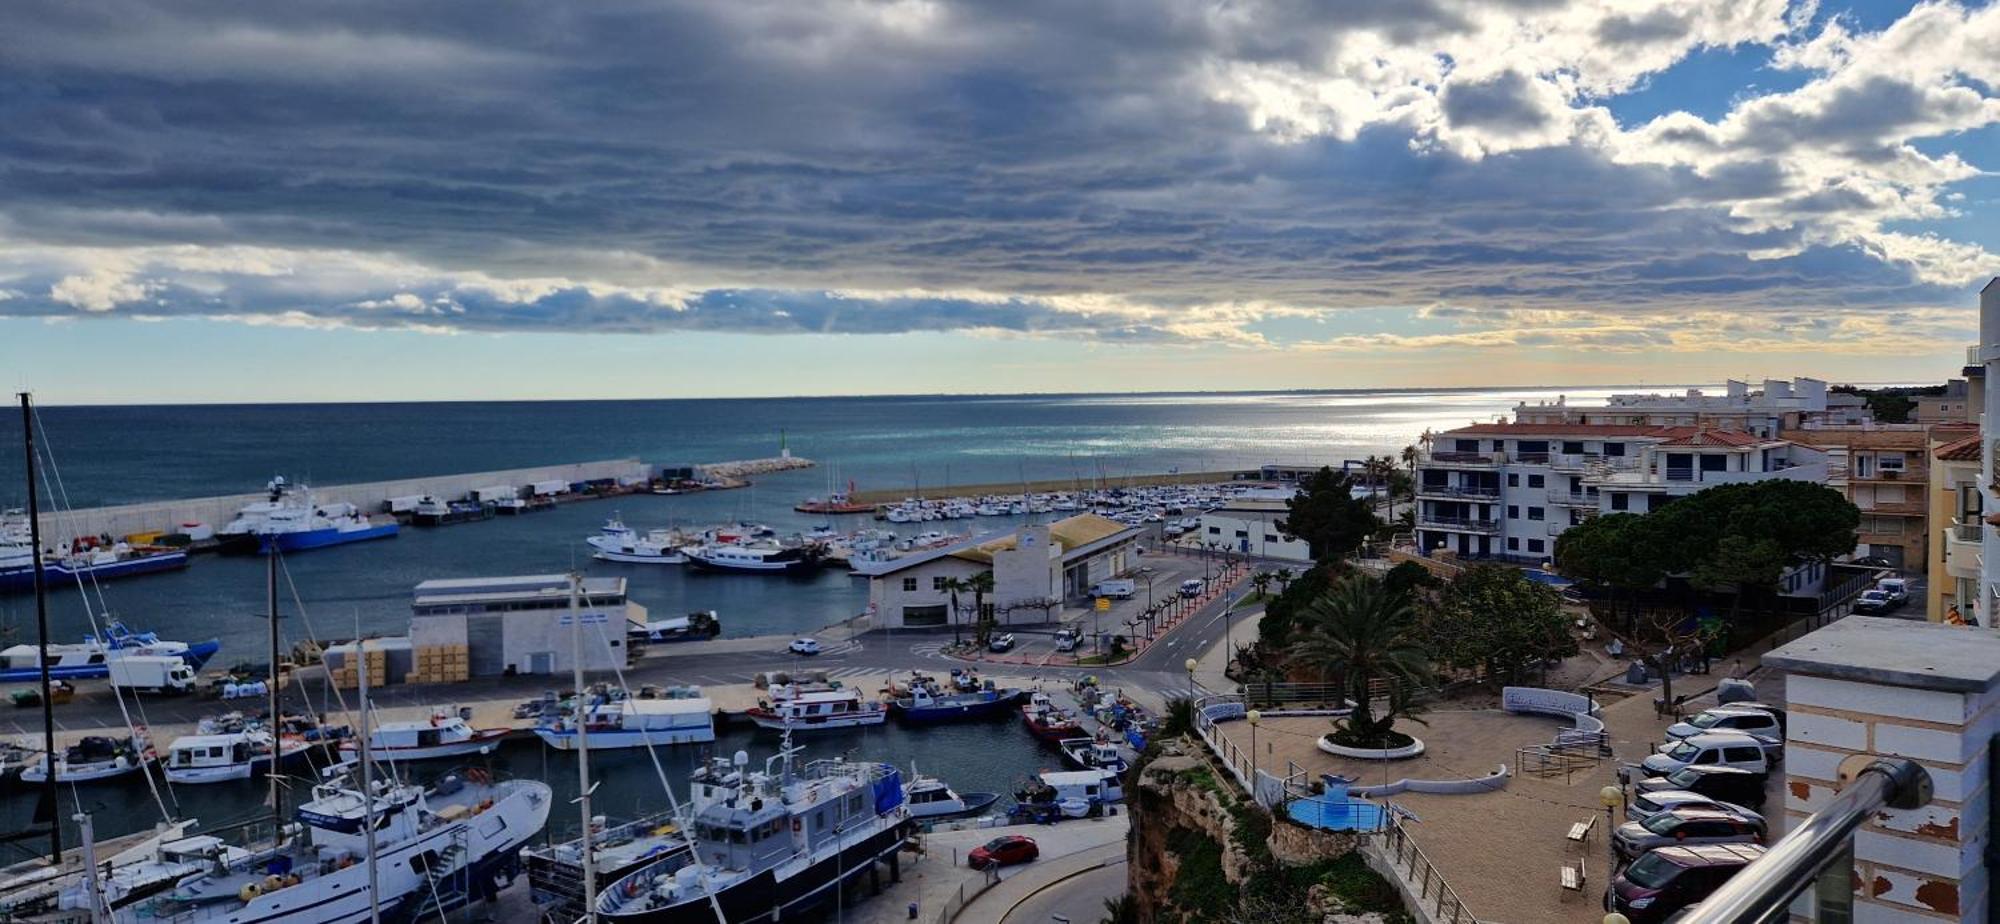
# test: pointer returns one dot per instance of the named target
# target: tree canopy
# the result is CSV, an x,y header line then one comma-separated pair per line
x,y
1360,632
1499,619
1327,515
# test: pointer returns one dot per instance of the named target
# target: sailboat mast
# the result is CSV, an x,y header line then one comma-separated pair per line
x,y
582,748
50,793
271,724
367,779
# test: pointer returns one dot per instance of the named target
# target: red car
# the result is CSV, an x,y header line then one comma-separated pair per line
x,y
1003,851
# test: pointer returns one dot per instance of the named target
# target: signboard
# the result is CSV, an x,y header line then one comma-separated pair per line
x,y
1103,604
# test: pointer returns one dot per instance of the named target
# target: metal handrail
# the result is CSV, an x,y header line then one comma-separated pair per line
x,y
1764,890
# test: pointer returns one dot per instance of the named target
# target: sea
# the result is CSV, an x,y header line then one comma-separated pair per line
x,y
110,455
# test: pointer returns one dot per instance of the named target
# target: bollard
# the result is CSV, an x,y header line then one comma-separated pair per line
x,y
913,911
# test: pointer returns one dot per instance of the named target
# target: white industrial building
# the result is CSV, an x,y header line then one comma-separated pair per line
x,y
1037,570
521,625
1248,524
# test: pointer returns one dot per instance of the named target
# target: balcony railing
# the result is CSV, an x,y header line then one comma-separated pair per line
x,y
1532,458
1465,458
1567,499
1968,532
1818,854
1459,523
1440,490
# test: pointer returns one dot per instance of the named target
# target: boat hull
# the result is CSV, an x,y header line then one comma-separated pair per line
x,y
321,538
197,655
629,558
621,739
971,803
952,712
484,743
765,897
790,566
243,771
23,579
775,722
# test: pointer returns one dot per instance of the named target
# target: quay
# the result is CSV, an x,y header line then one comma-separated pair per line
x,y
1009,488
167,516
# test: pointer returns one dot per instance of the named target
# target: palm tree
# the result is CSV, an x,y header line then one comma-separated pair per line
x,y
1262,581
1284,579
955,585
981,585
1362,633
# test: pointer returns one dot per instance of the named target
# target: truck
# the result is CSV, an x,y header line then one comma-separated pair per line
x,y
549,488
1120,588
151,674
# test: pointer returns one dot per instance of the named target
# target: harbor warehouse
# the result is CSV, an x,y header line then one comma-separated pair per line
x,y
521,625
1036,571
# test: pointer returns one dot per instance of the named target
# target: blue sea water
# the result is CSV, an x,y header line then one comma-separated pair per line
x,y
108,455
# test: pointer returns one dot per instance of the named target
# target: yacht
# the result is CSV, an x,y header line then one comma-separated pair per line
x,y
555,871
755,559
447,734
769,844
230,755
92,759
434,850
92,656
633,723
806,709
620,543
929,797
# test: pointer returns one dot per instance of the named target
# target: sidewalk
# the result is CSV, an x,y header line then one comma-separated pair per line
x,y
939,876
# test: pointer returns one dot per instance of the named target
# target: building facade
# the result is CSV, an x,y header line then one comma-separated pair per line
x,y
1777,406
1955,511
1037,571
522,625
1884,469
1507,490
1251,528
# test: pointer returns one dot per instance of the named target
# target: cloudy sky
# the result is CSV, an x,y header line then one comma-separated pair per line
x,y
357,200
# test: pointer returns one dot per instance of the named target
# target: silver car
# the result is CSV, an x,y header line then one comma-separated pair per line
x,y
1686,826
1647,804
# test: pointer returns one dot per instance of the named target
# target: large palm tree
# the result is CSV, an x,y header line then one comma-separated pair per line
x,y
1360,632
981,585
955,585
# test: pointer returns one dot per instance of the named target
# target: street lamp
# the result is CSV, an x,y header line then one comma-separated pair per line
x,y
1190,665
1611,797
1255,718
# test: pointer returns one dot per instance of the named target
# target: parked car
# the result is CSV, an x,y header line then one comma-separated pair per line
x,y
1647,804
1875,603
1664,881
1003,851
1873,561
1897,589
1002,642
1191,587
1730,749
805,646
1725,784
1067,639
1685,826
1746,719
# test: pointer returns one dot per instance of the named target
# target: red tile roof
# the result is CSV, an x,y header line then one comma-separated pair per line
x,y
1731,438
1959,450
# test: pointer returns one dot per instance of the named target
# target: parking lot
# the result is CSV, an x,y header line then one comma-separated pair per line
x,y
1156,590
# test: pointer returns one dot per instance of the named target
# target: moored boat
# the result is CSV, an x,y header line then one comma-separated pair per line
x,y
289,521
801,708
233,755
1048,722
620,543
763,558
555,871
924,701
447,734
92,656
1092,754
93,758
930,797
633,723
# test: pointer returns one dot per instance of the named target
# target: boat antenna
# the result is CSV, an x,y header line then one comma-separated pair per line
x,y
50,793
271,723
367,777
582,746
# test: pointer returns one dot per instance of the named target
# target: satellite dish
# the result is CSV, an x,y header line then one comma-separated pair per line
x,y
742,758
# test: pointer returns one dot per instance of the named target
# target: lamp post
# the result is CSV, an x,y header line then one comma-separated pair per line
x,y
1256,718
1611,797
1190,665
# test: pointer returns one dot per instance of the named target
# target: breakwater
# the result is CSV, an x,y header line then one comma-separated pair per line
x,y
1015,488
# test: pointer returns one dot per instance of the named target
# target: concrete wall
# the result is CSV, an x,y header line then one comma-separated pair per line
x,y
1029,571
167,515
887,596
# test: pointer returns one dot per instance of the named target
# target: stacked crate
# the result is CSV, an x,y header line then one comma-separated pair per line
x,y
441,664
347,675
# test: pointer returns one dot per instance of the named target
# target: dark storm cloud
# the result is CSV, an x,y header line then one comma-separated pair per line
x,y
768,156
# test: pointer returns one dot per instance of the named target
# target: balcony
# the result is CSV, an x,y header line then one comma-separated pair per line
x,y
1962,557
1463,460
1458,491
1532,458
1915,508
1458,524
1566,499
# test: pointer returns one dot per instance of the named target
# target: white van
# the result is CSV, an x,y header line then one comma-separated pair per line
x,y
1119,589
1724,749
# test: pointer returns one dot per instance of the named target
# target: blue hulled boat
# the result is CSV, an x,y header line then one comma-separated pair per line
x,y
924,701
93,656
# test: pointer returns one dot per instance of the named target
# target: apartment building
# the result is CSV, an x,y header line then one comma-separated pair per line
x,y
1884,470
1777,406
1955,510
1507,490
1954,406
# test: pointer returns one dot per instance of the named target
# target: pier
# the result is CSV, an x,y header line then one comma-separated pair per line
x,y
1046,486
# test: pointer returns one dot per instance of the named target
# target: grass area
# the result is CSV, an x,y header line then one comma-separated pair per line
x,y
1199,889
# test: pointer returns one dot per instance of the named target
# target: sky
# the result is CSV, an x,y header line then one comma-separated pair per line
x,y
361,200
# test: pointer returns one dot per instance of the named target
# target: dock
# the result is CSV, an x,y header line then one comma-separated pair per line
x,y
1047,486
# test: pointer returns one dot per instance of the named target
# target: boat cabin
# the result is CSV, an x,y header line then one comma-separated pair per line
x,y
1088,785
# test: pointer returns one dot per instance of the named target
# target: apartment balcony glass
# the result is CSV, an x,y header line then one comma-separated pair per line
x,y
1464,459
1962,557
1562,498
1460,524
1450,490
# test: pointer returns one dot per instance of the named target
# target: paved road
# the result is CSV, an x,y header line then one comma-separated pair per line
x,y
1079,899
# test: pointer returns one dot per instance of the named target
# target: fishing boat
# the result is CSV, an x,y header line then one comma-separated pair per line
x,y
1058,794
556,871
92,656
770,844
795,707
837,502
693,627
447,734
633,723
620,543
230,755
430,851
436,511
929,797
924,701
1048,722
762,558
97,561
94,758
1092,754
289,521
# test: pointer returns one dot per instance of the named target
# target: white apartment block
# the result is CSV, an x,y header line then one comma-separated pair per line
x,y
1507,490
1777,406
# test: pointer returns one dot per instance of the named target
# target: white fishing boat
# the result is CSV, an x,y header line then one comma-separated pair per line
x,y
634,723
556,871
761,558
808,709
289,520
432,851
94,758
447,734
234,755
929,797
1092,754
620,543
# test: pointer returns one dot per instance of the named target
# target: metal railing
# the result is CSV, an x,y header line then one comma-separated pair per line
x,y
1420,874
1465,458
1968,532
1438,522
973,887
1818,854
1572,499
1445,490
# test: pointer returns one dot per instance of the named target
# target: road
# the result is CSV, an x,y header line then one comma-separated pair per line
x,y
1078,900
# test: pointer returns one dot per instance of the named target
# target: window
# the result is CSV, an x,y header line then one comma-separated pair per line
x,y
1513,481
1714,463
1614,449
1270,538
1467,445
909,585
1573,447
1621,501
1215,530
1513,512
1536,545
1536,513
937,583
1535,481
1739,755
1513,544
